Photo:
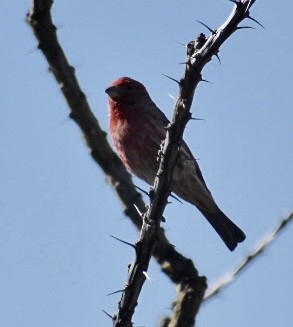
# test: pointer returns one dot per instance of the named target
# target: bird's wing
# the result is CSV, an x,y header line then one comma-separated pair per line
x,y
186,154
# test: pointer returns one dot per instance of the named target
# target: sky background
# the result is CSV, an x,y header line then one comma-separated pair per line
x,y
57,261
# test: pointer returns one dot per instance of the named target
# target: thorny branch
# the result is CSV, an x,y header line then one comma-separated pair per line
x,y
153,240
174,264
199,53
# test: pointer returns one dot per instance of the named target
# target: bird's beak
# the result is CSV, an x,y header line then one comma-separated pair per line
x,y
113,92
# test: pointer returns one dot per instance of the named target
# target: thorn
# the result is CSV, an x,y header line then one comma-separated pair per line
x,y
146,275
218,58
237,3
181,44
256,21
118,239
138,211
206,81
193,118
108,314
119,291
211,30
173,97
183,63
244,27
142,190
172,79
175,197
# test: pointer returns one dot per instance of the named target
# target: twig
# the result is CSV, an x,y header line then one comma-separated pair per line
x,y
267,240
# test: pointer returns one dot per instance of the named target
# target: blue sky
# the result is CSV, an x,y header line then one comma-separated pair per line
x,y
57,261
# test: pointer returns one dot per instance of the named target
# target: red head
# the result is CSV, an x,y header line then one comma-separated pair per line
x,y
127,90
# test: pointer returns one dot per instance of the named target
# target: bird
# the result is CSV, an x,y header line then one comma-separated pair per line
x,y
137,128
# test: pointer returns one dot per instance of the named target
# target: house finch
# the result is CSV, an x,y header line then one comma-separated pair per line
x,y
138,128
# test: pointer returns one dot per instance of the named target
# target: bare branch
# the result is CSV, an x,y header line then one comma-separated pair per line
x,y
230,278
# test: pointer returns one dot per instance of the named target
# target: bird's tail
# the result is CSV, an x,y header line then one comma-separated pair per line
x,y
228,231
